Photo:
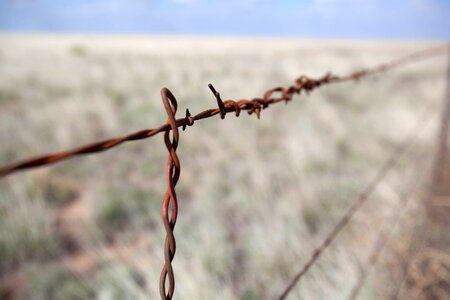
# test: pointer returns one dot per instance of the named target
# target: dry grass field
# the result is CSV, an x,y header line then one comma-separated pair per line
x,y
255,196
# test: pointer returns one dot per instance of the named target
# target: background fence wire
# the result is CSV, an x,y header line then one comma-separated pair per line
x,y
252,106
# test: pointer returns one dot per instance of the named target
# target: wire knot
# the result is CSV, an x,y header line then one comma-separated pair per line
x,y
234,105
358,75
287,94
256,108
305,83
188,120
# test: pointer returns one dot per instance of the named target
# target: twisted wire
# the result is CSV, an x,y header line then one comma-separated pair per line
x,y
357,203
255,105
170,205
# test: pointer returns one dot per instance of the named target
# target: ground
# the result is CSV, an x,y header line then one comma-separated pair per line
x,y
255,196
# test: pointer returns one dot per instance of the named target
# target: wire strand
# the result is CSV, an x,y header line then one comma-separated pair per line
x,y
357,203
255,105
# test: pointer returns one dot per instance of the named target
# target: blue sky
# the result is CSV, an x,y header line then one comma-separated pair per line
x,y
391,19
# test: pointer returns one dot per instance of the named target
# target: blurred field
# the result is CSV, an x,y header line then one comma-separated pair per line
x,y
256,196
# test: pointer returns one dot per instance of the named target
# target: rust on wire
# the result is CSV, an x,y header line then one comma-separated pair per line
x,y
383,238
255,105
357,203
170,205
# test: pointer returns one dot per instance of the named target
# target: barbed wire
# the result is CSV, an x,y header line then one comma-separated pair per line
x,y
357,203
385,235
255,105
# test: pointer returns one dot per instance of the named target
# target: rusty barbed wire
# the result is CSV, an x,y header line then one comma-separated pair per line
x,y
170,203
255,105
385,235
357,203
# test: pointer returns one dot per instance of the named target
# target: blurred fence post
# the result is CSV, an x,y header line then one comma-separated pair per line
x,y
439,206
436,234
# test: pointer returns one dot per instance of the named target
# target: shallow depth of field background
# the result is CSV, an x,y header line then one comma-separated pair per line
x,y
255,196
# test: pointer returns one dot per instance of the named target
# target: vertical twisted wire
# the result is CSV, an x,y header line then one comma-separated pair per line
x,y
170,206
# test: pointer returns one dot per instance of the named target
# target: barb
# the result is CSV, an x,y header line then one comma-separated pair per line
x,y
390,163
220,103
170,204
255,105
